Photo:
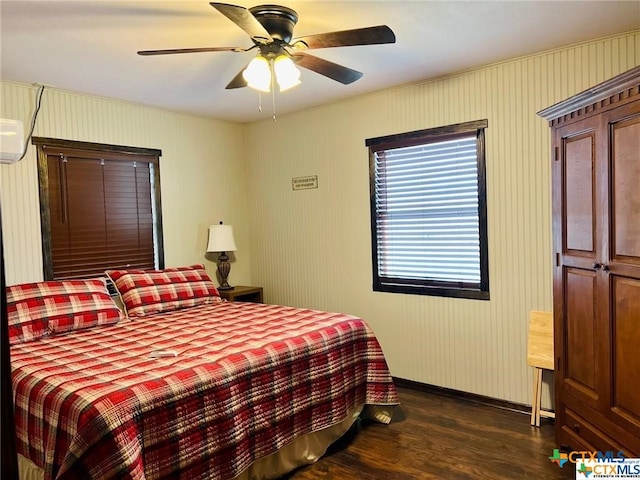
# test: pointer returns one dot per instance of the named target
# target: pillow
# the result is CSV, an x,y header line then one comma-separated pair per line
x,y
37,309
145,292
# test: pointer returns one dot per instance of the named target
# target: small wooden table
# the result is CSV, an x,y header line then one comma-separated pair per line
x,y
540,356
242,293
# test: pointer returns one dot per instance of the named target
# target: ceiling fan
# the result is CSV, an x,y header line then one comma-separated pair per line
x,y
271,30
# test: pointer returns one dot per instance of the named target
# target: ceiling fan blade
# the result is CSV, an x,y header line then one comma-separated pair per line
x,y
245,20
238,81
347,38
192,50
325,67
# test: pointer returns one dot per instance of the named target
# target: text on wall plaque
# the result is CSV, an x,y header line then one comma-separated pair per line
x,y
304,183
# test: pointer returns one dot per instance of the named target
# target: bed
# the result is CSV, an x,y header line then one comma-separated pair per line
x,y
180,384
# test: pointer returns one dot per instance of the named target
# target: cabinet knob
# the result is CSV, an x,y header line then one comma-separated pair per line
x,y
576,427
596,266
605,267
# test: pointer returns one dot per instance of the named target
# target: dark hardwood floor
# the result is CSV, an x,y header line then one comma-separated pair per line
x,y
434,436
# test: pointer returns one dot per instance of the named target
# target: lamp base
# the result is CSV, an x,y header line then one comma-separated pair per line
x,y
224,267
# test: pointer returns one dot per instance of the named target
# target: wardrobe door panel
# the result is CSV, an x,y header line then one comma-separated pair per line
x,y
579,193
625,165
623,267
580,336
626,341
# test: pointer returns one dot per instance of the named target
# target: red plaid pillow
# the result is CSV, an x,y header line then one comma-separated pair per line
x,y
37,309
145,292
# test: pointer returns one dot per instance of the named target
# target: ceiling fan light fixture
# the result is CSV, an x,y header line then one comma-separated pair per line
x,y
270,28
258,74
287,74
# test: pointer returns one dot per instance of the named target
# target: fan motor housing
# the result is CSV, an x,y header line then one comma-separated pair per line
x,y
277,20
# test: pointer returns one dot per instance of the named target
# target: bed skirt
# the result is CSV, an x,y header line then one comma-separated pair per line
x,y
302,451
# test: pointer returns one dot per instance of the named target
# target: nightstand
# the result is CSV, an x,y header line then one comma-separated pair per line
x,y
242,293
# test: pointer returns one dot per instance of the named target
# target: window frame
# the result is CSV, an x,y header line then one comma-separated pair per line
x,y
424,286
45,145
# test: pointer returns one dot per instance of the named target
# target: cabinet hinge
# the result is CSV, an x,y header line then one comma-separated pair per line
x,y
556,154
557,259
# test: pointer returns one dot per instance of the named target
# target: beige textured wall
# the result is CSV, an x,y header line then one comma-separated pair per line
x,y
202,174
312,248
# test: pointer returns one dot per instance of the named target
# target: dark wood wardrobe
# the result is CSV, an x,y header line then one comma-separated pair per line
x,y
595,154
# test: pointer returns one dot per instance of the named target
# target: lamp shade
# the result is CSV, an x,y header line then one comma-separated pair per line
x,y
287,74
258,74
221,239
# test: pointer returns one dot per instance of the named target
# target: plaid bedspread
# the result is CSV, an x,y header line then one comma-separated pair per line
x,y
247,380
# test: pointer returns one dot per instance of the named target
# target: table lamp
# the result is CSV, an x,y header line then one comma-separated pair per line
x,y
221,240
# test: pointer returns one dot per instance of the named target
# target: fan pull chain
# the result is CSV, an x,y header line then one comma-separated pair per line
x,y
273,103
273,90
259,101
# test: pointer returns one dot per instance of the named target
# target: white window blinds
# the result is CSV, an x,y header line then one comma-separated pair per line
x,y
427,211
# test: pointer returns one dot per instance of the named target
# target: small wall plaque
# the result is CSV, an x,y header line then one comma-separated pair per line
x,y
304,183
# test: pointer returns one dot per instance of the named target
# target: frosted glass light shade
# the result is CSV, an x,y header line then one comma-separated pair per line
x,y
258,74
287,74
221,239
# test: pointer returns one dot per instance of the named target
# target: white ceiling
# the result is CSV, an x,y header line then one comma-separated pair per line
x,y
90,46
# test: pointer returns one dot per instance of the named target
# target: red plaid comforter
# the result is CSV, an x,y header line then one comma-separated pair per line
x,y
247,380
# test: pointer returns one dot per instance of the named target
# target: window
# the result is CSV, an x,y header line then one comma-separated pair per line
x,y
100,208
428,212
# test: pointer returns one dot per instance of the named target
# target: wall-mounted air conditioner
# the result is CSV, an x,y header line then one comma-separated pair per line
x,y
11,138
